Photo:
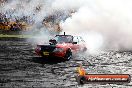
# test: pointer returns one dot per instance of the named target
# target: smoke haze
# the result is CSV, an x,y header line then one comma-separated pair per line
x,y
104,24
109,19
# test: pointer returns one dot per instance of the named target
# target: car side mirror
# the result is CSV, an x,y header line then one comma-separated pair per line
x,y
52,42
74,42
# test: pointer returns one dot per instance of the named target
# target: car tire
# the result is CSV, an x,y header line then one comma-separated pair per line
x,y
68,54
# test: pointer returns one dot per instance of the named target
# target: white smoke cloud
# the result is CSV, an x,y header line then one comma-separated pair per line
x,y
68,4
112,19
106,24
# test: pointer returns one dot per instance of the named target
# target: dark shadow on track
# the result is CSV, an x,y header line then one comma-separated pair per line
x,y
51,60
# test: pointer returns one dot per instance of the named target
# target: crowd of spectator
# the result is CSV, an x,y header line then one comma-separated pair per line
x,y
8,20
14,23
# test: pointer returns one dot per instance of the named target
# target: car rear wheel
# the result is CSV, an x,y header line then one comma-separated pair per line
x,y
68,54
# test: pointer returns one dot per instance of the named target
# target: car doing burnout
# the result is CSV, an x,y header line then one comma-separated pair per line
x,y
62,46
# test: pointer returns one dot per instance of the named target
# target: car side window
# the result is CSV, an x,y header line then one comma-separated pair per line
x,y
75,39
81,39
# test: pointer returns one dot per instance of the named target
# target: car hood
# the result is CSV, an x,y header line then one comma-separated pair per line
x,y
58,45
63,45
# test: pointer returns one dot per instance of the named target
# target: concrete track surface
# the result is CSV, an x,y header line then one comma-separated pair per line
x,y
20,67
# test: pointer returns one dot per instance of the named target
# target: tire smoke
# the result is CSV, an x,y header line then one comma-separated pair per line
x,y
104,24
109,19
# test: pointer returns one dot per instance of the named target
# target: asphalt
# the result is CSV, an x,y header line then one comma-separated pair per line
x,y
20,67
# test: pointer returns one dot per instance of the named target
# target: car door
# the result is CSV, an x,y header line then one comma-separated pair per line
x,y
74,46
82,43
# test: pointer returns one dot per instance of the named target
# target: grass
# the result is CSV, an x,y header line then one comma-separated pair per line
x,y
15,36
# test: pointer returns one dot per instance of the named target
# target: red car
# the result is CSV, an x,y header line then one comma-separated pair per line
x,y
61,46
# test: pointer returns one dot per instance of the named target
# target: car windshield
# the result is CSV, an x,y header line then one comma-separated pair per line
x,y
65,38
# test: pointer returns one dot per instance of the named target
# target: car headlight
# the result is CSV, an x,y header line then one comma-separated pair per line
x,y
58,50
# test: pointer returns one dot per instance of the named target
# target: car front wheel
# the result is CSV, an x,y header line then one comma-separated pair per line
x,y
68,54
